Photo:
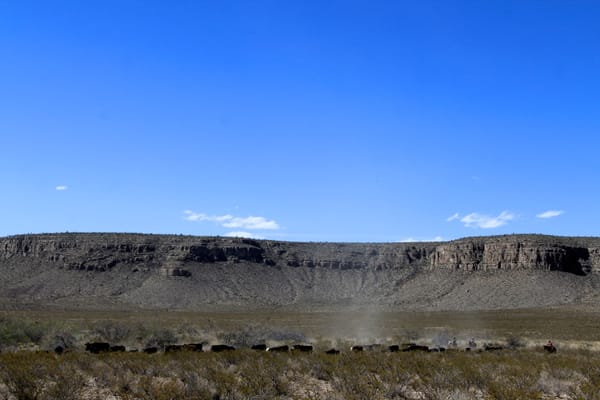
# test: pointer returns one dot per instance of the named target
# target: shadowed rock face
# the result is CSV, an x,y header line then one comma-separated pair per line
x,y
101,252
187,272
511,253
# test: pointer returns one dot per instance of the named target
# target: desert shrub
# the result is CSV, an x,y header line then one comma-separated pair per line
x,y
356,377
189,332
195,384
223,383
24,373
64,382
111,331
156,388
56,338
263,377
161,337
253,334
588,389
20,331
514,342
246,374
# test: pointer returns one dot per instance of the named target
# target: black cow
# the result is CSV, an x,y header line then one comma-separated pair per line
x,y
393,348
279,349
438,349
261,347
194,346
357,348
59,350
332,351
117,348
492,348
150,350
415,347
170,348
303,348
97,347
217,348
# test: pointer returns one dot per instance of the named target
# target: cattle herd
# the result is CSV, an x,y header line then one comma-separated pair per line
x,y
103,347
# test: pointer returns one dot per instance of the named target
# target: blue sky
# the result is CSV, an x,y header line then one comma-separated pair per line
x,y
304,121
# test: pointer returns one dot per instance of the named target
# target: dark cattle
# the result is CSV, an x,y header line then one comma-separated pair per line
x,y
150,350
279,349
550,348
97,347
221,347
416,347
302,348
117,348
493,348
262,347
193,346
173,347
59,350
357,348
332,351
393,348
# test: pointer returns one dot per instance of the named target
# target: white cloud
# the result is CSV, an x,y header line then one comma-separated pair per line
x,y
550,214
251,223
193,216
243,235
412,240
230,221
475,220
61,187
453,217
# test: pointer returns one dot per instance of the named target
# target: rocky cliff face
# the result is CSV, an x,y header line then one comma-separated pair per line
x,y
101,252
189,272
509,253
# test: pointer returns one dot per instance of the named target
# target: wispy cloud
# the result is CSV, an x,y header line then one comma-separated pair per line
x,y
194,216
251,223
412,240
243,234
475,220
230,221
453,217
61,187
550,214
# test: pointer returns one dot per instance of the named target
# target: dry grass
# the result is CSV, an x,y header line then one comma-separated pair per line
x,y
522,372
244,374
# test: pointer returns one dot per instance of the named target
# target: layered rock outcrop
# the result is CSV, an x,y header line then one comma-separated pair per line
x,y
195,273
516,252
102,252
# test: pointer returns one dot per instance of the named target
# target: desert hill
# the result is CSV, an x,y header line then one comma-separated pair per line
x,y
102,270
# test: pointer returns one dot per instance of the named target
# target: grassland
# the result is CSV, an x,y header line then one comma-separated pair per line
x,y
244,374
522,371
569,325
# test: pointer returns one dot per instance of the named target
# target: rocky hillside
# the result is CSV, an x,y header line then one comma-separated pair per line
x,y
186,272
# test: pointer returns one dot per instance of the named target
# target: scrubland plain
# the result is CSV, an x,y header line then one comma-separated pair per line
x,y
29,368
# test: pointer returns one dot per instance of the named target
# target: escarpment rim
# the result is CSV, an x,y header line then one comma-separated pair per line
x,y
199,272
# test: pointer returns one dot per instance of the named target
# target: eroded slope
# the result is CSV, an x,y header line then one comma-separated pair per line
x,y
186,272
